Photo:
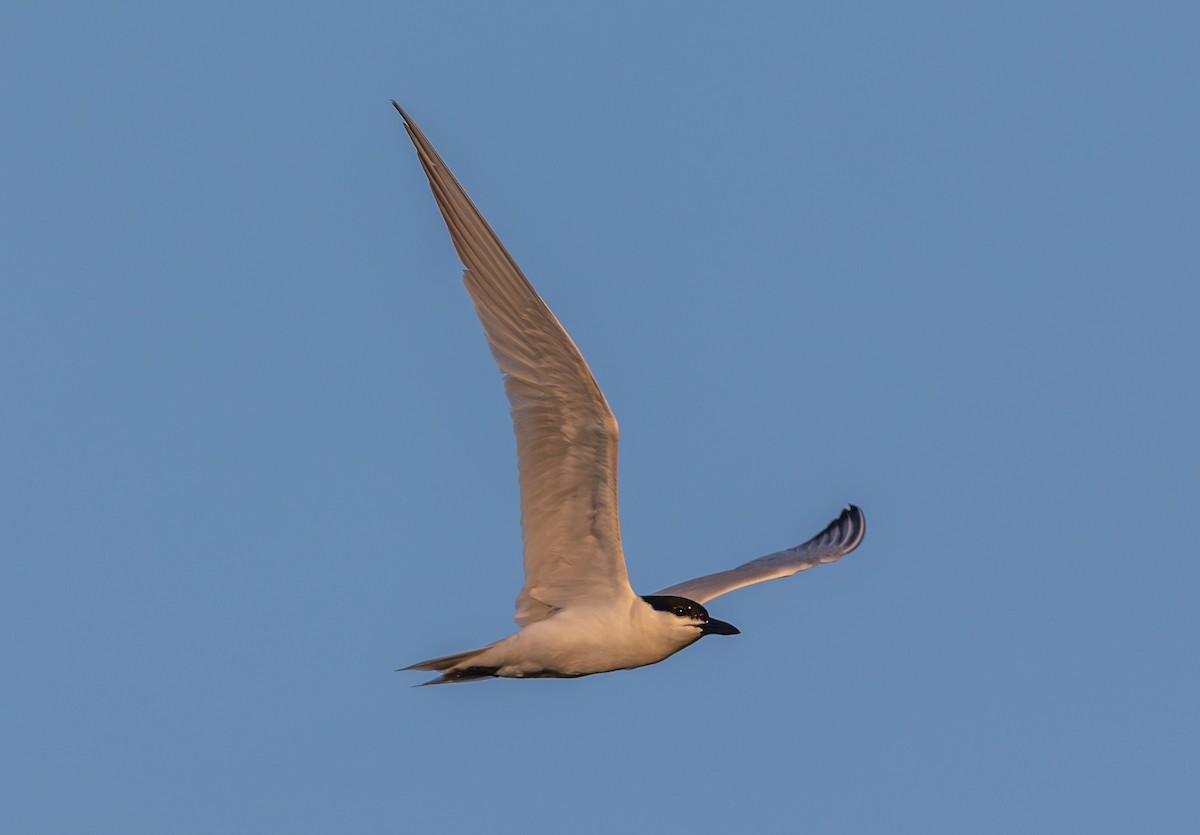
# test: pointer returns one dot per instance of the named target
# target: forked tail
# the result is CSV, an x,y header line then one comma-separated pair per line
x,y
455,668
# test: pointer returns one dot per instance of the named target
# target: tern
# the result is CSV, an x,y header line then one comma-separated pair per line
x,y
577,612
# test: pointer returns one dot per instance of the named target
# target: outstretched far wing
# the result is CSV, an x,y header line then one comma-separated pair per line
x,y
842,536
566,433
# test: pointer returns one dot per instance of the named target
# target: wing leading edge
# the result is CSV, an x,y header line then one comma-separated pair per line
x,y
839,538
566,432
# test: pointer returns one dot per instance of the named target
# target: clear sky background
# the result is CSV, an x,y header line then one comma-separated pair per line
x,y
936,259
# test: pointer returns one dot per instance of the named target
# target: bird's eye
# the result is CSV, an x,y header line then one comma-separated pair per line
x,y
679,611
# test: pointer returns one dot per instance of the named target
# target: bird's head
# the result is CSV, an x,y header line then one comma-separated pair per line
x,y
681,613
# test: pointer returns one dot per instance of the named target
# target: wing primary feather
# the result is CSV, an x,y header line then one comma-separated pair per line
x,y
839,538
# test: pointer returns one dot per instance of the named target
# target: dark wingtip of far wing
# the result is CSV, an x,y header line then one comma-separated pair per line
x,y
844,533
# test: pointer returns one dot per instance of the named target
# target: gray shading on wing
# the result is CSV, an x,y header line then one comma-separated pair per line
x,y
566,433
839,538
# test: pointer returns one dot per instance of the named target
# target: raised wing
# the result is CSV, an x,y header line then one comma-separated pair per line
x,y
842,536
566,433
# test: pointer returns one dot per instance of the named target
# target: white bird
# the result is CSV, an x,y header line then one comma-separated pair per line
x,y
577,612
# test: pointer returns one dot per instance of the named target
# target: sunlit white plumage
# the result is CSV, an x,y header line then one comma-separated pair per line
x,y
577,611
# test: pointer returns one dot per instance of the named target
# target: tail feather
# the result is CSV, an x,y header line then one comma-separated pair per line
x,y
455,668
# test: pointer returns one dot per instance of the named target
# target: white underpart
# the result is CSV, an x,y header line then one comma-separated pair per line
x,y
587,639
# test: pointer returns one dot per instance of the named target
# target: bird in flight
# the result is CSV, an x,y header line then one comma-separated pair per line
x,y
577,612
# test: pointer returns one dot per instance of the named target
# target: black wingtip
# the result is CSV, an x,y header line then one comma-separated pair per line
x,y
852,523
845,533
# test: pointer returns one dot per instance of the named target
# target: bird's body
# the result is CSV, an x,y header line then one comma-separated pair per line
x,y
577,611
578,641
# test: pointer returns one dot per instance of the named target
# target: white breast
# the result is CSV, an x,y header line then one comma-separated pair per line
x,y
584,640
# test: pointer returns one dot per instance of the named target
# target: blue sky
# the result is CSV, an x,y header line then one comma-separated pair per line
x,y
939,260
